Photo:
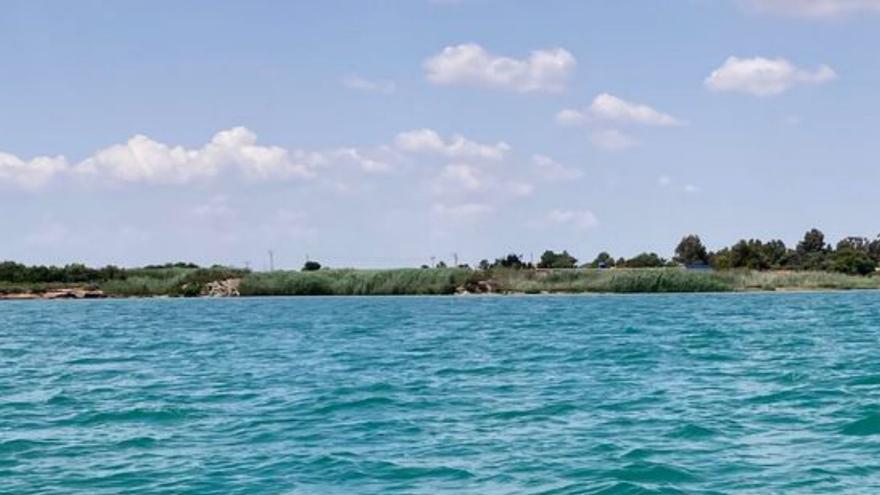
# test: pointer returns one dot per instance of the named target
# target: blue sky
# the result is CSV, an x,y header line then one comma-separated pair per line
x,y
382,133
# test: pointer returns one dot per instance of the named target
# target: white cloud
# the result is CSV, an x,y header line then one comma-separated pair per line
x,y
358,83
33,173
142,159
471,65
570,116
429,141
551,170
690,188
580,219
606,107
664,181
612,140
467,176
366,163
815,8
764,77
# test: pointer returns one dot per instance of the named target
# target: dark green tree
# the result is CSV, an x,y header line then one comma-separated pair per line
x,y
874,249
812,252
311,266
691,251
551,259
749,254
603,260
510,261
853,261
645,260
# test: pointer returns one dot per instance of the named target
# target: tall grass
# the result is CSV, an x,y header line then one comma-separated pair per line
x,y
171,281
791,280
619,280
349,282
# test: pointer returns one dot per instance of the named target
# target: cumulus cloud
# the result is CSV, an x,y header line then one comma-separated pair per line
x,y
430,141
366,163
33,173
612,140
579,219
358,83
815,8
607,107
570,116
144,160
466,176
551,170
760,76
471,65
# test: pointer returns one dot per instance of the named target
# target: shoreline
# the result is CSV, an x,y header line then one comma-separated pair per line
x,y
438,281
106,297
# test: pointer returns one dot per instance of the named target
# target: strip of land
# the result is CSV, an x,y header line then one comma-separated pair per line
x,y
228,282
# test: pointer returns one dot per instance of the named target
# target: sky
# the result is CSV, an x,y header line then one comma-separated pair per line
x,y
393,133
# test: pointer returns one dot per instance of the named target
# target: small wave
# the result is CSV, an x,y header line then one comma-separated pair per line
x,y
92,361
543,411
392,471
136,443
19,445
60,399
692,431
623,488
869,425
865,380
649,472
134,415
367,403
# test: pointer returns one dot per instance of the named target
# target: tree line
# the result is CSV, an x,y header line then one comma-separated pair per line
x,y
851,255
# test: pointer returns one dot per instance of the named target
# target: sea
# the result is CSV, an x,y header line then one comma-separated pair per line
x,y
757,393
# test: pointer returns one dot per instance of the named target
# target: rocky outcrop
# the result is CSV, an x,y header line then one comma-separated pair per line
x,y
222,288
66,293
479,287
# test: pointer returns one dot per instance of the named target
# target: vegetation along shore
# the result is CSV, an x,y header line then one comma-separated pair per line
x,y
747,265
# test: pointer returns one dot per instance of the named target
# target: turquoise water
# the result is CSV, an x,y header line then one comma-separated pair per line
x,y
748,393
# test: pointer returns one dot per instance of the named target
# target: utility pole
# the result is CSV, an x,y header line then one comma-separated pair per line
x,y
271,261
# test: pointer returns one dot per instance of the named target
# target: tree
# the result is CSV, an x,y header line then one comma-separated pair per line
x,y
484,264
861,244
510,261
749,254
777,253
311,266
811,252
645,260
603,260
721,259
813,242
853,261
691,251
874,249
557,260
